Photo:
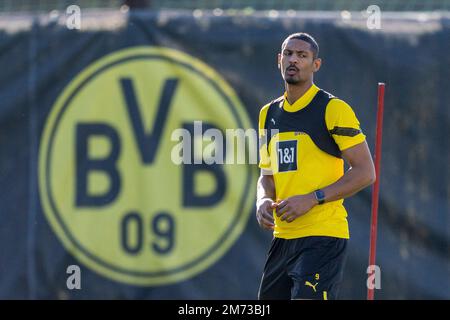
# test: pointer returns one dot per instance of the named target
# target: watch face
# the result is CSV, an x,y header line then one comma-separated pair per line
x,y
320,196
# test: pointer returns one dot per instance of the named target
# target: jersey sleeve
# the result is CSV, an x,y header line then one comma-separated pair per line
x,y
343,125
264,157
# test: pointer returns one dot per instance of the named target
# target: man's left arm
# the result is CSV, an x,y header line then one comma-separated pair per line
x,y
360,175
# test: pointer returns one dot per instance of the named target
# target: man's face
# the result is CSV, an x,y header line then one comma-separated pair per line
x,y
296,61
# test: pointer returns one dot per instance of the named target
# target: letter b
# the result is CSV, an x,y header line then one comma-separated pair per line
x,y
85,165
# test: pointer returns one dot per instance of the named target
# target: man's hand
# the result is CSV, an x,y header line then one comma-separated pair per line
x,y
264,215
294,207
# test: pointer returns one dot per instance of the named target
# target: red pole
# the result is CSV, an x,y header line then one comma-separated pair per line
x,y
376,186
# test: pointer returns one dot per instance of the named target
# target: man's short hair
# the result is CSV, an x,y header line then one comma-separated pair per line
x,y
305,37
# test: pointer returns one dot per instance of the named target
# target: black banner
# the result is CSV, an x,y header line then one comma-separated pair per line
x,y
93,207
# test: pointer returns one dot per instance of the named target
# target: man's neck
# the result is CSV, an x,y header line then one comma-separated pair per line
x,y
296,91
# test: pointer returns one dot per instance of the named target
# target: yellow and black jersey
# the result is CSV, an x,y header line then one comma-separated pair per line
x,y
301,147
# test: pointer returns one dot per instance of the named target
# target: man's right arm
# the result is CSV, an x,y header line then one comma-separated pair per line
x,y
265,201
266,187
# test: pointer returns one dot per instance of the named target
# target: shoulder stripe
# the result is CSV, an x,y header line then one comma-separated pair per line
x,y
343,131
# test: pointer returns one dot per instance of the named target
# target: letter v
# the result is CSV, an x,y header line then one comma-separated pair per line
x,y
148,143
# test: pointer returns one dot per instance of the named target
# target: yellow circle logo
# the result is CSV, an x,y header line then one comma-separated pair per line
x,y
108,185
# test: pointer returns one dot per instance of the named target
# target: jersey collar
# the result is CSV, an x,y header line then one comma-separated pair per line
x,y
301,102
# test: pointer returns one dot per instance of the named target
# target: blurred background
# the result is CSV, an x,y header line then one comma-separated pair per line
x,y
92,91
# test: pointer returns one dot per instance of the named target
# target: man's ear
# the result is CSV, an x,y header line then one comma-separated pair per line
x,y
317,64
279,61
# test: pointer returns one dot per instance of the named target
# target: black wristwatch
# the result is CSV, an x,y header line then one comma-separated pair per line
x,y
320,196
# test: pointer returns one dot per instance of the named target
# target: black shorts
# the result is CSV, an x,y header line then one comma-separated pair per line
x,y
303,268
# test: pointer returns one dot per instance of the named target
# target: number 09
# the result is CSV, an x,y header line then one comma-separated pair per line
x,y
162,226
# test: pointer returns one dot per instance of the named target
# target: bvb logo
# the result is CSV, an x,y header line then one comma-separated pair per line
x,y
107,183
